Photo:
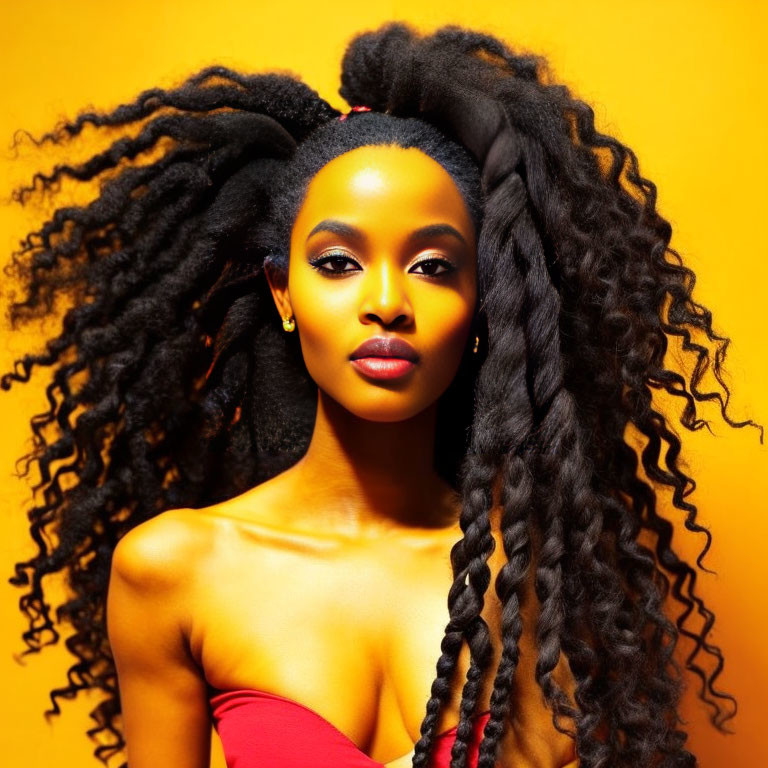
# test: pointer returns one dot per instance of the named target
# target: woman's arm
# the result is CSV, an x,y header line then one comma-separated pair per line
x,y
162,691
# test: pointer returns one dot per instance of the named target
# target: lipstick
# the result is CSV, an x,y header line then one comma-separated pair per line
x,y
384,357
383,367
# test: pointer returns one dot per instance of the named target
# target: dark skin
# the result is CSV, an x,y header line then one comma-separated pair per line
x,y
352,543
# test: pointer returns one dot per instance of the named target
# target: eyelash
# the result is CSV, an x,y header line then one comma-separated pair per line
x,y
338,255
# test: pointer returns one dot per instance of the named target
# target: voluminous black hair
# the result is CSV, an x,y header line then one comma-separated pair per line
x,y
193,393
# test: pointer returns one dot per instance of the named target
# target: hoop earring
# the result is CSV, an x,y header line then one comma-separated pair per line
x,y
289,323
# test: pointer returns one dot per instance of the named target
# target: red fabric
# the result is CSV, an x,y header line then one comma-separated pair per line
x,y
260,730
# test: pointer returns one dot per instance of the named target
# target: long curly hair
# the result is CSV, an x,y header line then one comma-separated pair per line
x,y
193,394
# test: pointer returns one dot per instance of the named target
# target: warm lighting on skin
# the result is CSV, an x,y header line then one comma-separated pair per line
x,y
368,181
390,286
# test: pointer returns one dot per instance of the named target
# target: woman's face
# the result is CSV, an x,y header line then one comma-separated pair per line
x,y
382,247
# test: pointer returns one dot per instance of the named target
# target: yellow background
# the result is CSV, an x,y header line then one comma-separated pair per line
x,y
680,82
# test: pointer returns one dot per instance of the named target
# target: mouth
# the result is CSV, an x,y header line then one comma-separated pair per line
x,y
384,357
385,346
383,367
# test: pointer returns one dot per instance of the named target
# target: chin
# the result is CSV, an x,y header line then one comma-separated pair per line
x,y
388,418
390,408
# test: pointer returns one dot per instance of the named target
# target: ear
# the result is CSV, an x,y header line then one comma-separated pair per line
x,y
278,285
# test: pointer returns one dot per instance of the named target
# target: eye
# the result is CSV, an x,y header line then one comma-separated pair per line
x,y
334,257
432,263
339,258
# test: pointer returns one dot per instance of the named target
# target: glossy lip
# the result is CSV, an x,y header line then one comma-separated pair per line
x,y
383,367
385,346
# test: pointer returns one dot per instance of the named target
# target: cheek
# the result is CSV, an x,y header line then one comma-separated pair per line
x,y
321,319
445,320
443,338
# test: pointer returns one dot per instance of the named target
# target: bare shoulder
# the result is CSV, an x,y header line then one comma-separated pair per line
x,y
157,552
162,688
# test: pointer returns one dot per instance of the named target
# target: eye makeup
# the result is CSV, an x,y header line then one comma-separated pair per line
x,y
336,257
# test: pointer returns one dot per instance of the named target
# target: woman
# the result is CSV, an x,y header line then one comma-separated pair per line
x,y
342,366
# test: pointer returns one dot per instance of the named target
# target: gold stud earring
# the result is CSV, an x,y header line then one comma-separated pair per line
x,y
289,323
477,344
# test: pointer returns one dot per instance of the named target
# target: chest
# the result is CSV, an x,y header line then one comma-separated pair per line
x,y
353,635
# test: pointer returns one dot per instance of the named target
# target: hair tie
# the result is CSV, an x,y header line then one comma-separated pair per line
x,y
342,118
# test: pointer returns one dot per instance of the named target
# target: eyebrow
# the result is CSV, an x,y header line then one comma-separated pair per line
x,y
348,230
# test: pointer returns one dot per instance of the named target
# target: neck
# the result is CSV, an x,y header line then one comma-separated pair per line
x,y
365,477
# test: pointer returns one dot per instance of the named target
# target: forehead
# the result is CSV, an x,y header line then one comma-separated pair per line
x,y
390,183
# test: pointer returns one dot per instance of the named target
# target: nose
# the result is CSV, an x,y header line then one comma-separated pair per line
x,y
384,296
